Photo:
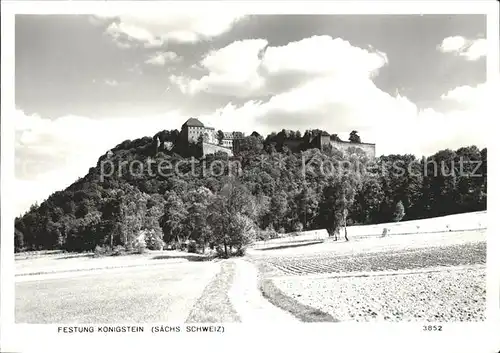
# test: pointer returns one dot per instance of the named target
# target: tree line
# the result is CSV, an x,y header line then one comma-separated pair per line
x,y
272,193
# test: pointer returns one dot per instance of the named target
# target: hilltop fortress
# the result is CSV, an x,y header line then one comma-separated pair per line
x,y
193,130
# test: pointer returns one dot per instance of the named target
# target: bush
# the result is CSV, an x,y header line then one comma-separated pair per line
x,y
240,252
119,251
219,251
271,233
153,240
129,247
263,235
191,247
106,250
140,248
298,227
399,212
100,251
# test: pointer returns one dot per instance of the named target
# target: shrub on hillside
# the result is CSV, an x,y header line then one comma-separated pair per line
x,y
240,252
263,235
399,212
119,250
138,246
272,234
298,227
106,250
153,240
191,247
100,251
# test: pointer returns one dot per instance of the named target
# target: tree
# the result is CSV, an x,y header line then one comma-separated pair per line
x,y
172,221
242,232
338,199
220,221
250,145
399,212
335,137
231,216
220,137
278,209
133,215
307,206
367,202
354,137
195,225
18,240
230,230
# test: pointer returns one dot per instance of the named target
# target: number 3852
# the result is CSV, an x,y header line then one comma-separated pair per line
x,y
433,328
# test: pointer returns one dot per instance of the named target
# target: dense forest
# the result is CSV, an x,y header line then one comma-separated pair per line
x,y
170,192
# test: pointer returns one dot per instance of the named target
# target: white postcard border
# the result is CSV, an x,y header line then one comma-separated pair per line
x,y
456,337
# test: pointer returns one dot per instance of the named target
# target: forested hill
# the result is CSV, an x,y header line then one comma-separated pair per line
x,y
151,186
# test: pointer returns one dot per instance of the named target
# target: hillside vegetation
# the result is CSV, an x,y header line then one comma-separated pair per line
x,y
145,194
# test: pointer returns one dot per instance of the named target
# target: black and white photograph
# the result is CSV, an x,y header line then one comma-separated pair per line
x,y
189,170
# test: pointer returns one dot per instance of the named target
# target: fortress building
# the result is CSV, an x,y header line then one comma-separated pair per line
x,y
193,128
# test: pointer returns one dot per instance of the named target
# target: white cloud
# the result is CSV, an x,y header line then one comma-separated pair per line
x,y
51,154
251,67
476,50
473,97
471,49
154,29
467,124
453,44
322,55
233,68
161,58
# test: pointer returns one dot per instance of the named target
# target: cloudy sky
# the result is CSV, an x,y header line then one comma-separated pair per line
x,y
84,83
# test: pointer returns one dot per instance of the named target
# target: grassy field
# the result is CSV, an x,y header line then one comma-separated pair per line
x,y
128,295
41,262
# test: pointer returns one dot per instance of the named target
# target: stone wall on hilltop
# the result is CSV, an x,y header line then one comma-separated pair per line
x,y
209,148
368,148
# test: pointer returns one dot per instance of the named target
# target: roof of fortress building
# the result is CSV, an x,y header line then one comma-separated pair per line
x,y
193,122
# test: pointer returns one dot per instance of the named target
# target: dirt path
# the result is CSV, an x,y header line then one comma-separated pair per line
x,y
214,304
248,301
